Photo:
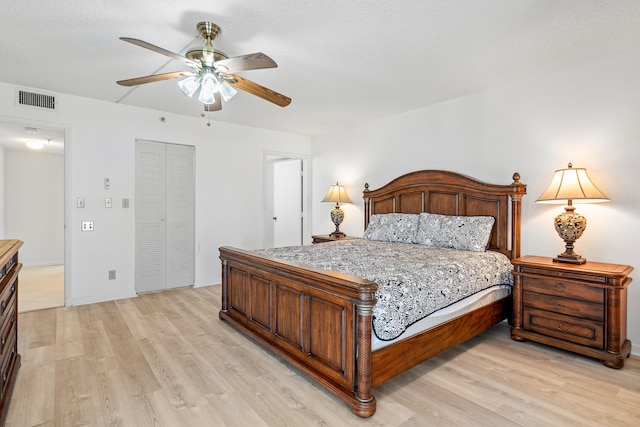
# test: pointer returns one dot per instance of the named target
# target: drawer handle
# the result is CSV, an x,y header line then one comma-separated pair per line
x,y
4,377
4,305
559,287
559,327
559,304
13,288
2,340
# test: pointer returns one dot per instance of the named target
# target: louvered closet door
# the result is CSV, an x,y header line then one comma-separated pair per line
x,y
164,216
180,216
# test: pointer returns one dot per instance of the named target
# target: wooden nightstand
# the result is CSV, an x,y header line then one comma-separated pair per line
x,y
580,308
321,238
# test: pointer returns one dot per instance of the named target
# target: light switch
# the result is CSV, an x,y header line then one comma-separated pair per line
x,y
80,202
125,203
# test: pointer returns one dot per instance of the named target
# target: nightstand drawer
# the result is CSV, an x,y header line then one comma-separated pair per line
x,y
569,328
571,307
563,288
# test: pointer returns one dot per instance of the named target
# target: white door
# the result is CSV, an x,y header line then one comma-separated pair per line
x,y
287,202
165,199
285,199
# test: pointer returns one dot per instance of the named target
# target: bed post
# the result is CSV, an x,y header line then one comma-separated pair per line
x,y
366,402
367,205
516,209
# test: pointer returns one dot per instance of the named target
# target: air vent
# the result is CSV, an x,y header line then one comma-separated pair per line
x,y
34,99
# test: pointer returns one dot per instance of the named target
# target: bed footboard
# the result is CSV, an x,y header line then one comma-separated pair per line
x,y
318,321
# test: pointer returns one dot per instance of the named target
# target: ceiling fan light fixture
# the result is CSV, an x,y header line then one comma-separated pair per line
x,y
189,85
209,85
227,91
209,68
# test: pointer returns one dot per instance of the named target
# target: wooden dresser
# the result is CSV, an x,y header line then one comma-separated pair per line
x,y
9,357
580,308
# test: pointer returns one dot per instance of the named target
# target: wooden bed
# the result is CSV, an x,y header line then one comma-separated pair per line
x,y
321,322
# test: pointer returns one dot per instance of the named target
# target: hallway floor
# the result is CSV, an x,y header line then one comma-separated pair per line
x,y
40,288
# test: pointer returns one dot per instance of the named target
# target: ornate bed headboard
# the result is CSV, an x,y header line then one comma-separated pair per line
x,y
450,193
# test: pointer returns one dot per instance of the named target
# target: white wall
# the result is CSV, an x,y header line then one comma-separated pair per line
x,y
35,205
99,143
587,115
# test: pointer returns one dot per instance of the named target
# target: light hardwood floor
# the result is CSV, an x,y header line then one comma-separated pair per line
x,y
41,287
165,359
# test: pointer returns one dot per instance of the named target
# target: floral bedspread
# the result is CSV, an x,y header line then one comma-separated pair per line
x,y
413,280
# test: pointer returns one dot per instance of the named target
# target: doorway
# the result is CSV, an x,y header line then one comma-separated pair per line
x,y
32,198
286,219
165,216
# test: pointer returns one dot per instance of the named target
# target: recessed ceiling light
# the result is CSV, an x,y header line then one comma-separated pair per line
x,y
35,145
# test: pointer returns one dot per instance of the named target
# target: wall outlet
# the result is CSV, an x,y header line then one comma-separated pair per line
x,y
112,275
107,202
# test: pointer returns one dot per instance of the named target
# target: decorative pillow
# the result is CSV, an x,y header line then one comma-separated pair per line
x,y
469,233
392,227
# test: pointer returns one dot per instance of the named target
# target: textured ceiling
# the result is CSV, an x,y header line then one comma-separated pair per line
x,y
342,62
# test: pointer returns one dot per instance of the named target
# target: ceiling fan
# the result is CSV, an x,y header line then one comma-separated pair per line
x,y
211,72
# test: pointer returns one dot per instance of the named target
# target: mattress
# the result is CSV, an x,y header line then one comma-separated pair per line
x,y
459,308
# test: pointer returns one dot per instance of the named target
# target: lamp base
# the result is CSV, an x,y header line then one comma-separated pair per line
x,y
337,215
570,259
570,225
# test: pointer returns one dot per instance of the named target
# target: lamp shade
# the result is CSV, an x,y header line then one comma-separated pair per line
x,y
209,85
189,85
572,184
227,91
336,194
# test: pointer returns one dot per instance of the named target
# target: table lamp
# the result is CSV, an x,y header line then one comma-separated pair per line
x,y
568,186
337,195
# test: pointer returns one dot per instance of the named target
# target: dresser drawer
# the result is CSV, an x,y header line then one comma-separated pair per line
x,y
8,363
7,330
562,305
568,328
8,291
563,288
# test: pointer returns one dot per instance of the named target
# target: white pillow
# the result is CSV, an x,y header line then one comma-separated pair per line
x,y
392,227
469,233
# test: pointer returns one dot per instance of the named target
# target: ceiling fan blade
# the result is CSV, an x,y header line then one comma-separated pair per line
x,y
257,90
216,106
251,61
153,78
162,51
